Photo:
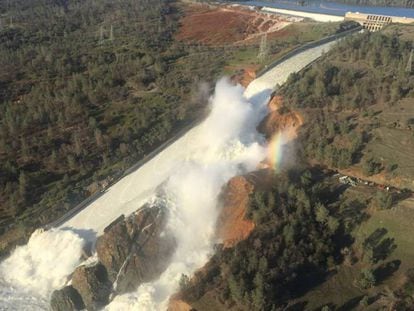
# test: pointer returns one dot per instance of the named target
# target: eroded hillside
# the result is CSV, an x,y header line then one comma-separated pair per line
x,y
220,25
321,240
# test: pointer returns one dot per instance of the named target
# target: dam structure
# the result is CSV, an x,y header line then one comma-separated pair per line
x,y
374,22
372,19
371,22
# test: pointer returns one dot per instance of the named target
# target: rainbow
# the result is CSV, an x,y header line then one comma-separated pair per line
x,y
275,151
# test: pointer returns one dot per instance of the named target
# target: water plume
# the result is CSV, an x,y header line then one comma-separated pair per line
x,y
196,167
227,145
44,263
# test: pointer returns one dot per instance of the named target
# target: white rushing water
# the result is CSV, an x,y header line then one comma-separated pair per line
x,y
194,169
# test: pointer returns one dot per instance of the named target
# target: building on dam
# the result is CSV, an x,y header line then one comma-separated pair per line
x,y
374,22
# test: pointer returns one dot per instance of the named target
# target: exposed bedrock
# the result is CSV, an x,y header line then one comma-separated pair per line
x,y
66,299
136,249
131,251
93,285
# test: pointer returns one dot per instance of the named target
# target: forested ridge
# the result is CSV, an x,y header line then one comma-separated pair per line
x,y
86,89
304,236
304,226
317,240
359,98
288,246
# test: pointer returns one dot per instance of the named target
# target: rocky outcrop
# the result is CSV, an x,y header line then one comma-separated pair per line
x,y
66,299
244,75
92,283
176,304
131,251
134,250
280,119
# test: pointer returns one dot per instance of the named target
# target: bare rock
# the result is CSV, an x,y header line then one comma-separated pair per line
x,y
93,285
135,250
66,299
232,224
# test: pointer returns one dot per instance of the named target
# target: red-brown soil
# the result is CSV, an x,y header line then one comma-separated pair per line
x,y
232,225
246,75
280,120
223,25
175,304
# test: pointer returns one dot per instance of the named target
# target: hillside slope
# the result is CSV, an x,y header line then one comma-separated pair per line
x,y
358,109
317,243
86,89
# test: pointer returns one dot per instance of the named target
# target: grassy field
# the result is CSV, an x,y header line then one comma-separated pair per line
x,y
279,44
339,291
406,32
394,141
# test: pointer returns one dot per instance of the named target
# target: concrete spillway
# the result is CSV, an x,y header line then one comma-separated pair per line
x,y
191,171
127,195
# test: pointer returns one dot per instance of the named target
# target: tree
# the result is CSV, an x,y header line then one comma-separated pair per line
x,y
25,149
184,282
364,302
289,233
345,158
322,213
385,200
367,279
71,161
22,184
236,288
306,178
258,293
77,143
332,224
370,166
98,137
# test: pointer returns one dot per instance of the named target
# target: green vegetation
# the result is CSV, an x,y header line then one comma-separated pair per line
x,y
282,42
296,242
358,104
367,279
319,244
316,245
87,88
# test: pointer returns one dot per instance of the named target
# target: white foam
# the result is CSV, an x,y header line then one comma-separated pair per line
x,y
197,165
227,146
40,266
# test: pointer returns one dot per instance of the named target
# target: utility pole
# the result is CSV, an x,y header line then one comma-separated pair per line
x,y
409,68
263,48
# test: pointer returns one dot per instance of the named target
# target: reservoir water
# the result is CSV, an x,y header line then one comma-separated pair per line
x,y
331,8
